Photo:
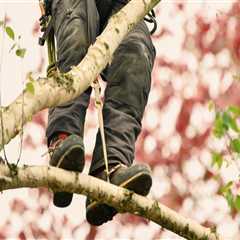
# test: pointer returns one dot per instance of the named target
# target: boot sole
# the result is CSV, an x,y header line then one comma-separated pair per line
x,y
64,199
98,213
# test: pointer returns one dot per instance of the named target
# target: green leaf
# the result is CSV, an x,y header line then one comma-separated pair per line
x,y
30,88
235,145
219,128
235,110
226,187
10,32
1,23
229,198
229,121
20,52
237,202
217,159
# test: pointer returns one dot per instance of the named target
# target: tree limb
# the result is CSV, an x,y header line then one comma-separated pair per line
x,y
50,92
120,198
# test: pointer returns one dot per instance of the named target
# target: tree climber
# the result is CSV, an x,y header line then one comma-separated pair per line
x,y
76,25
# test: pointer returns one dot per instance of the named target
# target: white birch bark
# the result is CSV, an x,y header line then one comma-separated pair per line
x,y
55,91
120,198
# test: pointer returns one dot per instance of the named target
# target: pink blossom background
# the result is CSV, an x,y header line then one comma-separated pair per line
x,y
198,53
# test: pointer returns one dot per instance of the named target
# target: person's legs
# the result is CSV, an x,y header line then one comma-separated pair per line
x,y
128,85
76,25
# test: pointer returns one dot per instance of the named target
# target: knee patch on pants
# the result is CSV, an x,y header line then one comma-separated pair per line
x,y
129,77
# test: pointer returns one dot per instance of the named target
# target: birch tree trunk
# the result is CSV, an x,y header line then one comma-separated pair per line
x,y
50,92
120,198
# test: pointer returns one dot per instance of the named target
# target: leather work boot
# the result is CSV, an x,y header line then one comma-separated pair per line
x,y
67,152
136,178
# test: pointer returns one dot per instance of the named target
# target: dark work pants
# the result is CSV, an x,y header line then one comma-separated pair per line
x,y
77,23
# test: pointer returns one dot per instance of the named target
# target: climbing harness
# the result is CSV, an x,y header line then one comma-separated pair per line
x,y
46,23
151,18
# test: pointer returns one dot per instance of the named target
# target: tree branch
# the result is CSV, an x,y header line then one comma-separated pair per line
x,y
50,92
120,198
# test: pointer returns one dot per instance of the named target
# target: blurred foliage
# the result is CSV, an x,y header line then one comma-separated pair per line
x,y
227,126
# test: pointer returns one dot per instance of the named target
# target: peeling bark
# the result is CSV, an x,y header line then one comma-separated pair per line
x,y
122,199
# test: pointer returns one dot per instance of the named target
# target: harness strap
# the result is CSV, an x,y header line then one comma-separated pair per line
x,y
46,23
98,103
151,18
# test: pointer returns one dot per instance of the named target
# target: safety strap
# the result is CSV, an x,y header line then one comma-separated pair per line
x,y
99,105
46,23
151,18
